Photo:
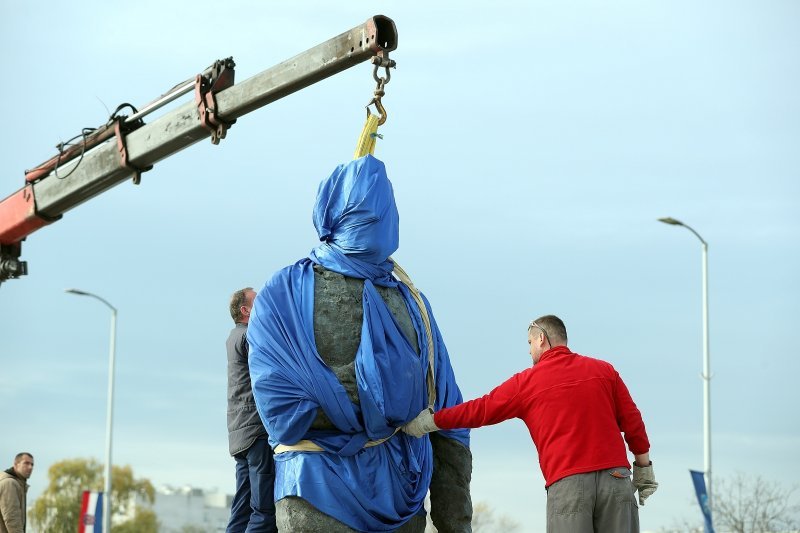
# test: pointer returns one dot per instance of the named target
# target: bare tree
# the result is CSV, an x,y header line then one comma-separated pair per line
x,y
683,526
484,521
750,504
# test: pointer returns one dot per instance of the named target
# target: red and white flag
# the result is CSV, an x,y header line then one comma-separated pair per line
x,y
91,519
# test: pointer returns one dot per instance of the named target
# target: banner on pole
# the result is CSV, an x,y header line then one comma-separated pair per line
x,y
699,480
91,517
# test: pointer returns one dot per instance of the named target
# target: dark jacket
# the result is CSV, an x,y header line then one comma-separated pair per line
x,y
244,423
13,502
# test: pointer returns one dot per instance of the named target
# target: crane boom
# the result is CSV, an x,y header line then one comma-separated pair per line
x,y
126,146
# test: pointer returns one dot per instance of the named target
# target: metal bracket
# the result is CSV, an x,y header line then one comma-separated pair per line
x,y
216,78
121,130
380,89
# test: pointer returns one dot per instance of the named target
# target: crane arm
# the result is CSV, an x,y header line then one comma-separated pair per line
x,y
126,146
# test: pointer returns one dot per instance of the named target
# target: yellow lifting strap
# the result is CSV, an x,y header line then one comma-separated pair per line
x,y
426,320
366,141
311,446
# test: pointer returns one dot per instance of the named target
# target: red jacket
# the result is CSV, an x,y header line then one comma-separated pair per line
x,y
575,408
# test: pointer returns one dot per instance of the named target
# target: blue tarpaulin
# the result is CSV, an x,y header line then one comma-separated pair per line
x,y
377,488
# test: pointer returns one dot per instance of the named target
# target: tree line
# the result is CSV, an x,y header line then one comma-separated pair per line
x,y
742,504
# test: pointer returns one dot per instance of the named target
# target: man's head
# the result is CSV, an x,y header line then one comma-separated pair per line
x,y
544,333
23,465
241,304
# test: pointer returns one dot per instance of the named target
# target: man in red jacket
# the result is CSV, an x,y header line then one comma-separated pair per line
x,y
576,409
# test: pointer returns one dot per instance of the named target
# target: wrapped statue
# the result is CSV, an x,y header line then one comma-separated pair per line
x,y
344,350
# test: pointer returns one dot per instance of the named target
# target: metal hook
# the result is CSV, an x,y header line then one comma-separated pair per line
x,y
381,110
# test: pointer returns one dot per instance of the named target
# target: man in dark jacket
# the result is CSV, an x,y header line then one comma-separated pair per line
x,y
253,506
13,494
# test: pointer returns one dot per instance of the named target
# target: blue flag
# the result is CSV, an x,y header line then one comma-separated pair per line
x,y
699,480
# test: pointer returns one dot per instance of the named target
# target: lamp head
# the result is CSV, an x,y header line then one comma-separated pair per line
x,y
671,221
76,291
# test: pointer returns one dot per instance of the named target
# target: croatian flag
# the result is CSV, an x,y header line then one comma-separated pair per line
x,y
91,519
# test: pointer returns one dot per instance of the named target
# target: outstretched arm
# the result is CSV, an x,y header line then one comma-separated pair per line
x,y
493,408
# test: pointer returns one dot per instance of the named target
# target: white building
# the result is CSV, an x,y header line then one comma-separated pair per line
x,y
191,509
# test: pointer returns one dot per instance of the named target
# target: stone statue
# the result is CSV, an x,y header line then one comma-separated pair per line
x,y
339,318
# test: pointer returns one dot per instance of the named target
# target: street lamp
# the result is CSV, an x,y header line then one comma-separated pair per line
x,y
110,409
706,375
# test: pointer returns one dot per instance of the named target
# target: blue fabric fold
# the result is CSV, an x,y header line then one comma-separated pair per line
x,y
369,489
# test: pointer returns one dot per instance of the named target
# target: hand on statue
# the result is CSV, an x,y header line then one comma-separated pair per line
x,y
644,480
421,425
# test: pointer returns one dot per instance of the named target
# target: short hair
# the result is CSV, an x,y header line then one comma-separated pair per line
x,y
554,328
20,455
237,301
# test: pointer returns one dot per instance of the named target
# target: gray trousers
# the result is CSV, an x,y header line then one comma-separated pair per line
x,y
595,502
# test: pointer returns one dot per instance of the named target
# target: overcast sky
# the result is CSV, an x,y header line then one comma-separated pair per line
x,y
532,146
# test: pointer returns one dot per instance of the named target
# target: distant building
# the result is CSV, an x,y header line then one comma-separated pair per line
x,y
191,509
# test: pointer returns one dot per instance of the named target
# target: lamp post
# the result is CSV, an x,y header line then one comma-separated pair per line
x,y
110,407
706,375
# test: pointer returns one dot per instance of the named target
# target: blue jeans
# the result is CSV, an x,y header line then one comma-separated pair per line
x,y
253,506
